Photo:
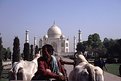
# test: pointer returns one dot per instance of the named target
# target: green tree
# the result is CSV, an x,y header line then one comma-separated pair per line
x,y
112,47
1,65
4,53
80,47
16,50
5,56
119,50
94,40
36,49
8,53
106,42
109,45
26,52
94,44
31,52
90,40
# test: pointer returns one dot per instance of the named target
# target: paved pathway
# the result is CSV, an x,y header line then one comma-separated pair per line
x,y
107,76
111,77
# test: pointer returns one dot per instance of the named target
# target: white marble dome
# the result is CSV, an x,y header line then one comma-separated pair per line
x,y
45,37
54,32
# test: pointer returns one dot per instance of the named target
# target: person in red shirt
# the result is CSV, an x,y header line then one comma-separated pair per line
x,y
45,68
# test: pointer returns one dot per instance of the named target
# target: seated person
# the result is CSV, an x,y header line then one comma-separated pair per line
x,y
48,67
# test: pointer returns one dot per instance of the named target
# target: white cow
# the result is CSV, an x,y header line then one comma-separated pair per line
x,y
84,71
27,69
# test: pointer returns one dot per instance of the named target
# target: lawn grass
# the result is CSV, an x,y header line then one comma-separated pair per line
x,y
113,68
4,75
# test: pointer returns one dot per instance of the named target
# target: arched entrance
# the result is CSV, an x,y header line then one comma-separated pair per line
x,y
54,46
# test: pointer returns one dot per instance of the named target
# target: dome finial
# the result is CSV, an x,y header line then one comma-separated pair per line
x,y
54,22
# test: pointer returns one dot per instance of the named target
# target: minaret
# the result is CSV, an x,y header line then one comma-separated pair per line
x,y
53,23
80,37
74,44
40,43
35,41
35,44
27,36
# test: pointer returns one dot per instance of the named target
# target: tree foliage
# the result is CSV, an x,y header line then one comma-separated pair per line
x,y
80,47
113,49
16,50
119,49
1,65
31,52
26,52
109,48
8,53
36,49
94,41
94,45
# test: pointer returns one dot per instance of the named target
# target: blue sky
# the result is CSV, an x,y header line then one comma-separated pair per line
x,y
37,16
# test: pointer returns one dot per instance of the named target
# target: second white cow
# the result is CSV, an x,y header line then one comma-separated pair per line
x,y
84,71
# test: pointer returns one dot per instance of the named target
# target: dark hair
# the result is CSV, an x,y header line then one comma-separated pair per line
x,y
49,48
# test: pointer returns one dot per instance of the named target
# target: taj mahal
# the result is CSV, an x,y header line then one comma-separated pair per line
x,y
56,38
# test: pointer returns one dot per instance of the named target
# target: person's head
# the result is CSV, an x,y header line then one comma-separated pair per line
x,y
47,50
